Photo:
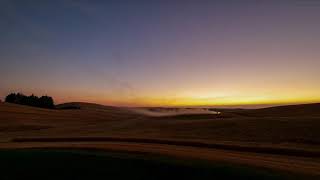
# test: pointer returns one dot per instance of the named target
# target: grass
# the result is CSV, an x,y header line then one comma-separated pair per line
x,y
281,131
99,121
239,148
84,164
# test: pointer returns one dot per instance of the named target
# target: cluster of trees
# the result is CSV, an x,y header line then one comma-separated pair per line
x,y
43,101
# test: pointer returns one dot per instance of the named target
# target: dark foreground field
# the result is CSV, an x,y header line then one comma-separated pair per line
x,y
279,142
81,164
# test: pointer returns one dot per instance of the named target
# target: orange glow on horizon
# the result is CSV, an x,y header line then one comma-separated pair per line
x,y
195,101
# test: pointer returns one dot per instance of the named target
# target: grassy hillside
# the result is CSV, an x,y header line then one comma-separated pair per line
x,y
263,138
267,125
80,164
302,110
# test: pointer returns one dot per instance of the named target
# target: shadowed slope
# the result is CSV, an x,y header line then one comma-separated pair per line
x,y
97,164
103,121
95,125
19,120
197,144
302,110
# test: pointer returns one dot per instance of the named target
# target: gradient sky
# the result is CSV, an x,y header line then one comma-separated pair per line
x,y
157,53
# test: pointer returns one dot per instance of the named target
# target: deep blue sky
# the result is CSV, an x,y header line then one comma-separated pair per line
x,y
162,52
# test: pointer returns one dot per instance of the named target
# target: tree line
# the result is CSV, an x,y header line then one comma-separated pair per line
x,y
32,100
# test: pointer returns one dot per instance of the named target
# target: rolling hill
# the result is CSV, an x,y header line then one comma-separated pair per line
x,y
302,110
269,125
280,136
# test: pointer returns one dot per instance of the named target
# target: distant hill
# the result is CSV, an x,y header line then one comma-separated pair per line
x,y
92,107
82,105
306,110
301,124
87,111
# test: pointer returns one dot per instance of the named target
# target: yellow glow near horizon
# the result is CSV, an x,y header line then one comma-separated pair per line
x,y
241,97
195,95
228,101
235,96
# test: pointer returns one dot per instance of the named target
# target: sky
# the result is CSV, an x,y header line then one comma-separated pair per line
x,y
162,53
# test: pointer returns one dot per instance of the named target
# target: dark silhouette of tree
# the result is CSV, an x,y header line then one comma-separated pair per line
x,y
46,102
43,101
11,98
33,101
